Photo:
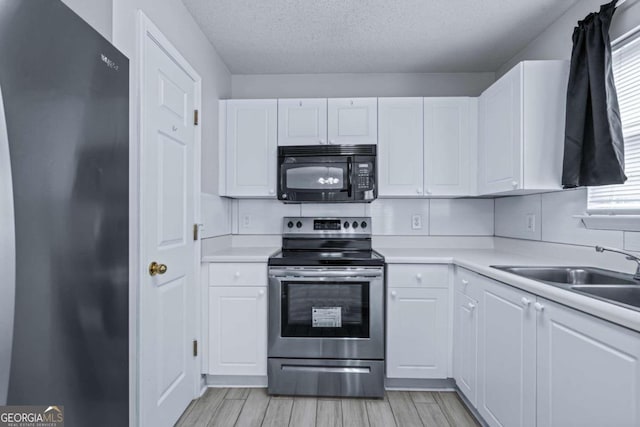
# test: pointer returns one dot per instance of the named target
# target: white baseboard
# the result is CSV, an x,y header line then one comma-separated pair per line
x,y
238,381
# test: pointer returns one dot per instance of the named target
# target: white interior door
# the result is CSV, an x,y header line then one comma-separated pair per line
x,y
167,298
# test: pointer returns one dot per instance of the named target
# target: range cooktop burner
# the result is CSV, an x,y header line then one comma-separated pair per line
x,y
296,257
327,241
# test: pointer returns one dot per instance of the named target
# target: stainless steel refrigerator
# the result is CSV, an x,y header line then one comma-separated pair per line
x,y
64,168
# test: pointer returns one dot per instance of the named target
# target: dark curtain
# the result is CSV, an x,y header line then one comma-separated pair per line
x,y
594,148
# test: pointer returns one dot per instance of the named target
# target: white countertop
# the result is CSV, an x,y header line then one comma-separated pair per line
x,y
239,254
477,260
480,260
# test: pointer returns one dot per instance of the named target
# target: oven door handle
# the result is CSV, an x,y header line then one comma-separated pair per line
x,y
352,274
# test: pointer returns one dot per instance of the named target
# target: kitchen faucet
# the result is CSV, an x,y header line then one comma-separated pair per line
x,y
627,255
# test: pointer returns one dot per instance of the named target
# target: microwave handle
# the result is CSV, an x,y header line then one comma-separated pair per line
x,y
349,171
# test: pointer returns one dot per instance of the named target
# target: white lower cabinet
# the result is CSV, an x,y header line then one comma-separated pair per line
x,y
417,331
465,345
588,370
238,330
540,363
507,356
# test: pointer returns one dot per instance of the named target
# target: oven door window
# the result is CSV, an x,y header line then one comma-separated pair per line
x,y
326,309
316,177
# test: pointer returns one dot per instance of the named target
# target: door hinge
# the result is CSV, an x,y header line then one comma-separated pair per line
x,y
195,348
195,117
196,227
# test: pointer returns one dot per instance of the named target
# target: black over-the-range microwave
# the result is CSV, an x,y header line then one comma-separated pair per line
x,y
327,173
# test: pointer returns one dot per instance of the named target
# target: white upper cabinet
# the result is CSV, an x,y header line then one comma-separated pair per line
x,y
400,160
521,129
588,370
450,146
302,121
353,121
251,148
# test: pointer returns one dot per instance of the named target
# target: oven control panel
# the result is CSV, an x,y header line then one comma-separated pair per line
x,y
347,226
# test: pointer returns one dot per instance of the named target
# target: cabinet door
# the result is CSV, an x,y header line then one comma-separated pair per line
x,y
237,331
588,370
417,330
500,143
465,345
353,121
507,356
400,161
251,147
302,121
450,135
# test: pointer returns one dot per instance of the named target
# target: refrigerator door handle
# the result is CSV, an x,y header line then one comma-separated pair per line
x,y
7,257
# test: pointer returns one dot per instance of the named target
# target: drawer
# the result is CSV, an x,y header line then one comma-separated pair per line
x,y
238,274
418,275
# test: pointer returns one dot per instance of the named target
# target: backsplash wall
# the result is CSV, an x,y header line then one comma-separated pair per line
x,y
549,217
435,217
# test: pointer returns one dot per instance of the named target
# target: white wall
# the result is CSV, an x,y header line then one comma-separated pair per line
x,y
555,42
439,217
97,13
348,85
555,212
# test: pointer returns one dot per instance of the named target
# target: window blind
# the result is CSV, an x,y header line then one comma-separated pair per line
x,y
624,198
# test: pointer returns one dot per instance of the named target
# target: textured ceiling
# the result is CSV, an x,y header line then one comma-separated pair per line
x,y
366,36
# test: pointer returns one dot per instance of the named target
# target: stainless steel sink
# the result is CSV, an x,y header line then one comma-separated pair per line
x,y
571,275
611,286
628,295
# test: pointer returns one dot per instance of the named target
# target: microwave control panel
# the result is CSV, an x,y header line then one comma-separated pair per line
x,y
364,176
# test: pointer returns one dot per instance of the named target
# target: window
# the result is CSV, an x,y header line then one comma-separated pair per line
x,y
624,198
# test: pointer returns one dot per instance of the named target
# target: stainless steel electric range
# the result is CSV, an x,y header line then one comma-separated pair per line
x,y
326,310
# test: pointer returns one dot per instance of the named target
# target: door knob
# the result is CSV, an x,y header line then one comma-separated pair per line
x,y
155,268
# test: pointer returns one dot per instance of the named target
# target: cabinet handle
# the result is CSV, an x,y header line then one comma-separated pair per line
x,y
465,282
272,191
321,141
539,307
261,292
393,294
514,183
471,306
332,141
419,277
525,301
419,190
237,274
428,191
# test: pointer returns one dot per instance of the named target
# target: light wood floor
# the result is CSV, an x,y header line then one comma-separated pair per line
x,y
253,407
